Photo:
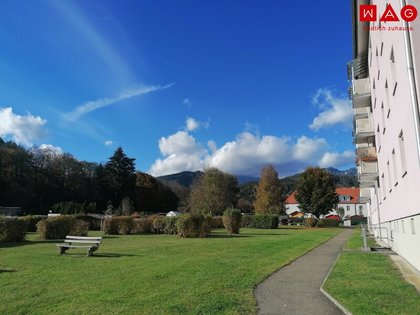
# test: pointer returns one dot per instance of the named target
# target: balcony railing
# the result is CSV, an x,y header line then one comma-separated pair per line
x,y
359,90
366,154
364,125
364,195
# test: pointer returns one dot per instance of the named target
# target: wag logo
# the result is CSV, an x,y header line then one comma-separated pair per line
x,y
369,13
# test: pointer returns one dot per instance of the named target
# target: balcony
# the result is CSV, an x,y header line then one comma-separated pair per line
x,y
364,195
368,171
363,130
359,91
366,154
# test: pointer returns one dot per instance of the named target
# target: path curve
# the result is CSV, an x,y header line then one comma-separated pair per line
x,y
295,288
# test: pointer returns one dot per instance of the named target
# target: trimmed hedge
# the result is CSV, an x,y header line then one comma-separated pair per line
x,y
12,229
328,223
118,225
59,227
170,225
142,225
32,221
158,224
232,220
247,221
266,221
193,225
312,222
94,223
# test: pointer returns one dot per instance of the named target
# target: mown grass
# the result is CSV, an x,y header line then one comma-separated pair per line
x,y
149,274
369,283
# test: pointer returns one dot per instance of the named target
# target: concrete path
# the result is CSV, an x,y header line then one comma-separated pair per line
x,y
295,289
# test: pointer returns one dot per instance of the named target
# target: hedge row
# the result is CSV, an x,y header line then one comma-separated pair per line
x,y
260,221
12,229
185,226
312,222
32,221
58,227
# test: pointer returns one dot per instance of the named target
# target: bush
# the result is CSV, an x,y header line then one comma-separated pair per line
x,y
265,221
118,225
158,224
142,225
94,223
247,221
170,225
32,221
12,230
232,220
217,223
59,227
357,219
193,225
328,223
312,222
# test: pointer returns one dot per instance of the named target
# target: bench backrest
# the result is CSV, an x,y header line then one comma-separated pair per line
x,y
83,239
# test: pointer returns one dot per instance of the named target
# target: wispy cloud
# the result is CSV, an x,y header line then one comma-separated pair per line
x,y
109,143
186,102
192,124
104,102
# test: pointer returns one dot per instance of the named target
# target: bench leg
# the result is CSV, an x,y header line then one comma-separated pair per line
x,y
62,250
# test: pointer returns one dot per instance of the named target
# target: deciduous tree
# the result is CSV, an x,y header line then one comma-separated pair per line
x,y
270,193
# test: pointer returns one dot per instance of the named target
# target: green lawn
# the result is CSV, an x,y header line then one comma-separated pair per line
x,y
149,274
369,283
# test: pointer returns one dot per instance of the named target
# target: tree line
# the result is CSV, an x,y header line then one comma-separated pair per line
x,y
39,180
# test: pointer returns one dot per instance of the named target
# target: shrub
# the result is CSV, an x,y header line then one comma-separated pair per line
x,y
170,225
247,221
217,223
193,225
265,221
328,223
58,227
142,225
158,224
118,225
12,230
312,222
357,219
232,220
93,223
32,221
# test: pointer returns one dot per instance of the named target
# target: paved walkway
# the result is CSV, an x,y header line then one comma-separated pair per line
x,y
295,289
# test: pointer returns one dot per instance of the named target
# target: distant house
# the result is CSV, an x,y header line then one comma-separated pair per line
x,y
349,201
10,211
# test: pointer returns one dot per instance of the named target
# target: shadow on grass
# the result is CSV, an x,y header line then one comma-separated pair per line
x,y
98,255
24,243
228,235
7,270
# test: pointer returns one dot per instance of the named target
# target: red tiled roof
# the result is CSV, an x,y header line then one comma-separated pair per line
x,y
343,191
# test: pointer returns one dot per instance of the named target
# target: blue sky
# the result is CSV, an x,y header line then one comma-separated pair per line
x,y
180,85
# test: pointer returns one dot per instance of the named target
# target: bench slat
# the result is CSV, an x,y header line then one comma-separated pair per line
x,y
74,246
83,242
83,237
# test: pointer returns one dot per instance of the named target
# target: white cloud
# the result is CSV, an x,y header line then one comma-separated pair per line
x,y
336,110
192,124
50,149
109,143
24,130
245,155
103,102
181,152
186,102
334,159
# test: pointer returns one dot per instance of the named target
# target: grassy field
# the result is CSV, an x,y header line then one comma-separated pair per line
x,y
149,274
368,283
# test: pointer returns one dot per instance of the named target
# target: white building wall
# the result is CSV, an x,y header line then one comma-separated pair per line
x,y
396,200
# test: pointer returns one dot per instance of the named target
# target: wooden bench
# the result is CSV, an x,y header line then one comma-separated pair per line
x,y
90,243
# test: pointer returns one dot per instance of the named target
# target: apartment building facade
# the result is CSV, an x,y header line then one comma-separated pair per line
x,y
385,78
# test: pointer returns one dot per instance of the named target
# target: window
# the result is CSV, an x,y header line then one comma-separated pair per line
x,y
412,226
382,48
361,210
398,227
389,176
348,207
392,56
402,154
394,168
402,226
395,89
